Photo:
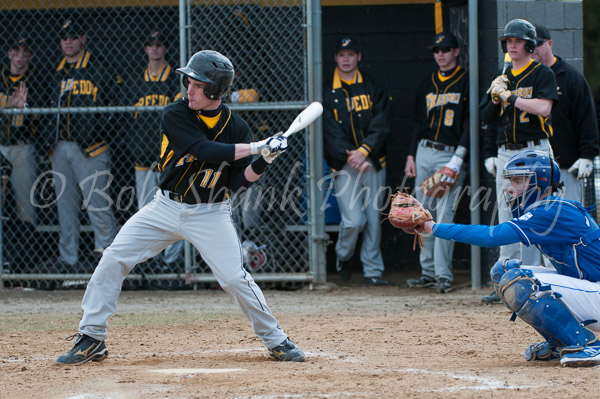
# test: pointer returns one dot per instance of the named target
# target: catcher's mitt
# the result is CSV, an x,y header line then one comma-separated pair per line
x,y
433,186
408,214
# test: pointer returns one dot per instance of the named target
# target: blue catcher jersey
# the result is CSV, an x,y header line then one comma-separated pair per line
x,y
566,233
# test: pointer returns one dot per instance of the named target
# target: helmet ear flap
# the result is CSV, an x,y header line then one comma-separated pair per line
x,y
503,45
529,46
185,81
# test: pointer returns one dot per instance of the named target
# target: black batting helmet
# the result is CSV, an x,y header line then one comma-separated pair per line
x,y
209,67
523,30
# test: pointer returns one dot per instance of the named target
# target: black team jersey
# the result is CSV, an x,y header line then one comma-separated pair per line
x,y
514,125
211,173
20,128
142,134
442,109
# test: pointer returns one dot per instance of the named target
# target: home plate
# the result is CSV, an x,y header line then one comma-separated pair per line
x,y
195,371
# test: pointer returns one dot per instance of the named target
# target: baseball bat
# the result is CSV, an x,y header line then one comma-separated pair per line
x,y
304,118
507,62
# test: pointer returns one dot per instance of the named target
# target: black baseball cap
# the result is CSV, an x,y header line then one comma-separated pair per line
x,y
444,39
156,36
542,33
347,43
70,28
21,40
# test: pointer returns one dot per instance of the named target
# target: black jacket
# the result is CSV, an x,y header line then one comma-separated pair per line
x,y
356,116
573,118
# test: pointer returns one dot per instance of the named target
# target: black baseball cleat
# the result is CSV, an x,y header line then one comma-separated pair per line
x,y
490,299
287,352
421,282
84,349
376,281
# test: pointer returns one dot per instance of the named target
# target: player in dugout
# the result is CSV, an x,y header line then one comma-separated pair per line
x,y
562,305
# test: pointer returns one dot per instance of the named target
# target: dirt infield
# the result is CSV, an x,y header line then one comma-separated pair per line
x,y
360,342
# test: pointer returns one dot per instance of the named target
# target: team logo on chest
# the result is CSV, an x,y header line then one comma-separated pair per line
x,y
437,100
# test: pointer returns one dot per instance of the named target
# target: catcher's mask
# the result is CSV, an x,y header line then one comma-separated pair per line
x,y
521,29
539,173
212,68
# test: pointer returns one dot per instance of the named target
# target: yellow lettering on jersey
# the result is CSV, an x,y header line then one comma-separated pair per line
x,y
187,158
438,100
5,100
524,92
356,103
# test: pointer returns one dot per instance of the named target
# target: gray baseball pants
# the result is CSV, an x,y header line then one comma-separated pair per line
x,y
23,161
436,254
76,175
359,200
146,184
210,229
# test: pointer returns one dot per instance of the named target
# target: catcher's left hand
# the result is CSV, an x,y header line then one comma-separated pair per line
x,y
408,214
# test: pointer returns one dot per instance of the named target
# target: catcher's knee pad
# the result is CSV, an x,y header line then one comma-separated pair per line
x,y
501,267
544,311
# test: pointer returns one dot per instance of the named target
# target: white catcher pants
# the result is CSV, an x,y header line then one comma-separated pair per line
x,y
209,228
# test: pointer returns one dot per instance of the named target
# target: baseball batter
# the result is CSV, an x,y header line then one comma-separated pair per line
x,y
205,156
563,305
526,94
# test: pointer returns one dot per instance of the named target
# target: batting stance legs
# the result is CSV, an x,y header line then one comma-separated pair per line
x,y
562,309
209,228
359,200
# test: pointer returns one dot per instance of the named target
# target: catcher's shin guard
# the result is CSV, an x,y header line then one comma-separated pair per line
x,y
543,310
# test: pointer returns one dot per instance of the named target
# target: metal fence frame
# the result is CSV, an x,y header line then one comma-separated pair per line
x,y
314,227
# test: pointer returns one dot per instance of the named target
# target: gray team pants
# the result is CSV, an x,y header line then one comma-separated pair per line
x,y
436,254
359,200
209,228
573,189
75,175
23,161
146,184
528,255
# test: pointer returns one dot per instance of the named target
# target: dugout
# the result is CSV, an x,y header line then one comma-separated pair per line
x,y
393,34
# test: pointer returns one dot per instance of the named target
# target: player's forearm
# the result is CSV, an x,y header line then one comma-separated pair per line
x,y
482,236
535,106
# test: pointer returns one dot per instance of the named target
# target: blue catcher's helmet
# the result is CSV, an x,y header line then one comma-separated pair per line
x,y
543,173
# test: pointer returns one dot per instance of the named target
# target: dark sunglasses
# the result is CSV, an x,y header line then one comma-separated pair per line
x,y
538,44
442,49
72,36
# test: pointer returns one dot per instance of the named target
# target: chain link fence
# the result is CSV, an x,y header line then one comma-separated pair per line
x,y
51,242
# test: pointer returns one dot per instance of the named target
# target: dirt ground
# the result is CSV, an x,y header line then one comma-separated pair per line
x,y
360,342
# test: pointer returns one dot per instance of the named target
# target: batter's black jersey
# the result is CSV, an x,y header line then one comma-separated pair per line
x,y
207,176
20,128
573,118
514,125
142,133
442,109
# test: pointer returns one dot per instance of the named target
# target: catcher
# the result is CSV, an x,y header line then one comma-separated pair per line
x,y
440,140
562,305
